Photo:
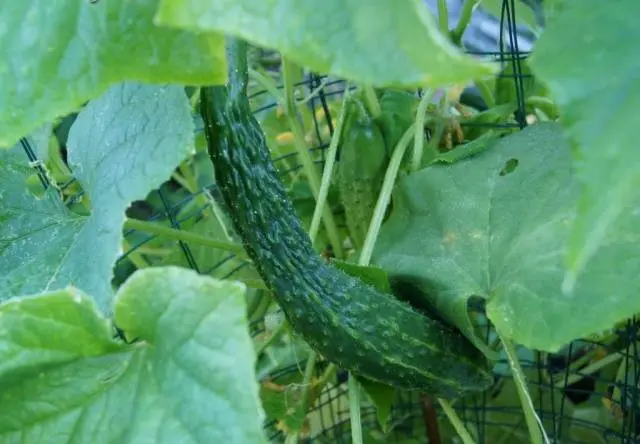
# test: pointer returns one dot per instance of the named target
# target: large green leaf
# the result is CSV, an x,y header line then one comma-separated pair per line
x,y
495,226
380,42
121,146
594,74
57,55
190,378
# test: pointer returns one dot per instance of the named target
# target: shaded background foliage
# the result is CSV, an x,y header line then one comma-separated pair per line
x,y
586,393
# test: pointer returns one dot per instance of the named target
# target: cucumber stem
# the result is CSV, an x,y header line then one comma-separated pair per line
x,y
288,70
274,336
370,101
134,256
267,84
456,422
485,93
306,384
536,429
180,235
328,170
443,17
465,17
418,141
315,92
314,182
354,410
385,196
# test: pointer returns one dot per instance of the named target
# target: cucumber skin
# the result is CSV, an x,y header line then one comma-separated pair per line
x,y
360,329
363,160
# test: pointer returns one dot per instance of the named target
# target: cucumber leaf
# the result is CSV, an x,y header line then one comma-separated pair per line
x,y
495,226
374,276
120,147
60,54
382,396
190,378
378,42
595,80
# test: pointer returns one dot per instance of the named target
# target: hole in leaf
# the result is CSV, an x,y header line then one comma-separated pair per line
x,y
509,167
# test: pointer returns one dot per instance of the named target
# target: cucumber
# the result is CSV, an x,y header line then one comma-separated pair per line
x,y
360,171
348,322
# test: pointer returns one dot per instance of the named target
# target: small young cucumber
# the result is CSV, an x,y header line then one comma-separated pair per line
x,y
360,172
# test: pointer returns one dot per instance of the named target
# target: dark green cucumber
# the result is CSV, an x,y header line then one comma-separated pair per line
x,y
360,172
350,323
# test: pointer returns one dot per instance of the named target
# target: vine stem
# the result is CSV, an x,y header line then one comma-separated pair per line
x,y
180,235
418,141
306,384
328,170
536,429
465,17
271,339
385,196
371,101
443,17
354,410
486,93
456,422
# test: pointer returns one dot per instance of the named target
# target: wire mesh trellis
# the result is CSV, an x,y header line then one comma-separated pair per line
x,y
586,393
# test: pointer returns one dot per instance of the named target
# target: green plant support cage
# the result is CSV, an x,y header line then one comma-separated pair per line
x,y
587,393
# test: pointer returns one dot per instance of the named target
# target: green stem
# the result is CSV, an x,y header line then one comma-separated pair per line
x,y
328,170
465,17
544,104
371,101
314,93
267,84
218,213
536,429
182,181
135,256
274,336
443,17
306,384
180,235
328,373
456,422
485,93
418,146
257,284
385,196
288,74
314,182
354,410
590,369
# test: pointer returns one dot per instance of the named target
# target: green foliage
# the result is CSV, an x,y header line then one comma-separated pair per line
x,y
598,105
499,234
537,224
67,52
66,378
122,145
379,42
